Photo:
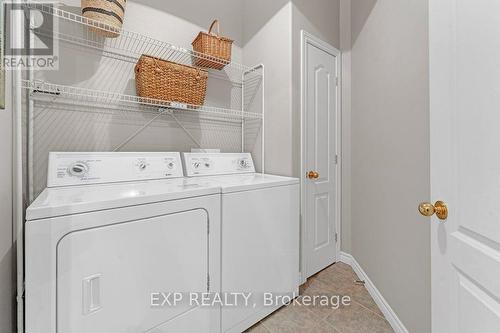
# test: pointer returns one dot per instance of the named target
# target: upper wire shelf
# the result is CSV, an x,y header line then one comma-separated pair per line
x,y
76,29
127,102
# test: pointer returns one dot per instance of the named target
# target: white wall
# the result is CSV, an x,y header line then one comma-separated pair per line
x,y
345,47
267,31
272,32
390,152
321,19
264,31
7,246
59,127
66,128
181,14
272,36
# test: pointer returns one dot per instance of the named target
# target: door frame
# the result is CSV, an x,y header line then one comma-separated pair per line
x,y
305,39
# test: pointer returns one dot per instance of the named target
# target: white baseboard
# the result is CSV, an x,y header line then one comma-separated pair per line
x,y
346,258
386,309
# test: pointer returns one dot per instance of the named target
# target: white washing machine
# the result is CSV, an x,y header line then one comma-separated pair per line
x,y
98,245
260,233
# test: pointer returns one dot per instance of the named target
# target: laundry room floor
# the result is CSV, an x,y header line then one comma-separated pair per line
x,y
361,316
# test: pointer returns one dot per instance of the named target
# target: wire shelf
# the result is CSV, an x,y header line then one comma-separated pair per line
x,y
89,104
76,29
96,97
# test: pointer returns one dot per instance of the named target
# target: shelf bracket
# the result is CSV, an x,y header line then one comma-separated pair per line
x,y
149,122
136,133
186,130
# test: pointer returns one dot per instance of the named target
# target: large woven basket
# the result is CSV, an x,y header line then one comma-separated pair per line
x,y
169,81
108,13
216,48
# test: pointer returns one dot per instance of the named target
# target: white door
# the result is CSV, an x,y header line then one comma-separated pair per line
x,y
320,64
465,164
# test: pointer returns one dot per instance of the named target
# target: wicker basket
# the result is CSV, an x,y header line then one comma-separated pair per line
x,y
169,81
214,46
109,13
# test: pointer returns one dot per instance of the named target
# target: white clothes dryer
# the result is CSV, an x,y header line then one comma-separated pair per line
x,y
110,230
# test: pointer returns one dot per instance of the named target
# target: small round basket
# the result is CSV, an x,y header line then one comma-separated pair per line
x,y
107,16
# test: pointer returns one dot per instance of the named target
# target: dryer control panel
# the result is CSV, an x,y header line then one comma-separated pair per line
x,y
66,169
208,164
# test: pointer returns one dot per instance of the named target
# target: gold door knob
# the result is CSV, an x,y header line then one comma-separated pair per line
x,y
313,175
439,208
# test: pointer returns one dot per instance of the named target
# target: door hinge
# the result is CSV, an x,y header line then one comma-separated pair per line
x,y
336,237
336,159
337,81
208,282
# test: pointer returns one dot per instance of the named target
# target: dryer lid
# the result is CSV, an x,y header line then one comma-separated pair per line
x,y
82,182
70,200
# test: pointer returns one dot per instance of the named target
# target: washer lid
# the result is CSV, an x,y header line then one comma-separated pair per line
x,y
248,182
69,200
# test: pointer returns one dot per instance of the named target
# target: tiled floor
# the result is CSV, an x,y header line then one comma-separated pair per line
x,y
361,316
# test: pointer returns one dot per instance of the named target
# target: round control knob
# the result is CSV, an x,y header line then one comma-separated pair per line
x,y
170,165
196,165
243,163
142,166
78,169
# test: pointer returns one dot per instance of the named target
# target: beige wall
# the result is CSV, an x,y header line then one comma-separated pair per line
x,y
390,152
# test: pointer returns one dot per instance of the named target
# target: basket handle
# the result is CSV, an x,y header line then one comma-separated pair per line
x,y
214,23
158,68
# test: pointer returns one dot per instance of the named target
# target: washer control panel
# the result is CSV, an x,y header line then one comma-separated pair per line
x,y
208,164
66,169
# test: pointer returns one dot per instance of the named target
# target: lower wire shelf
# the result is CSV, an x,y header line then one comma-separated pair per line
x,y
53,92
